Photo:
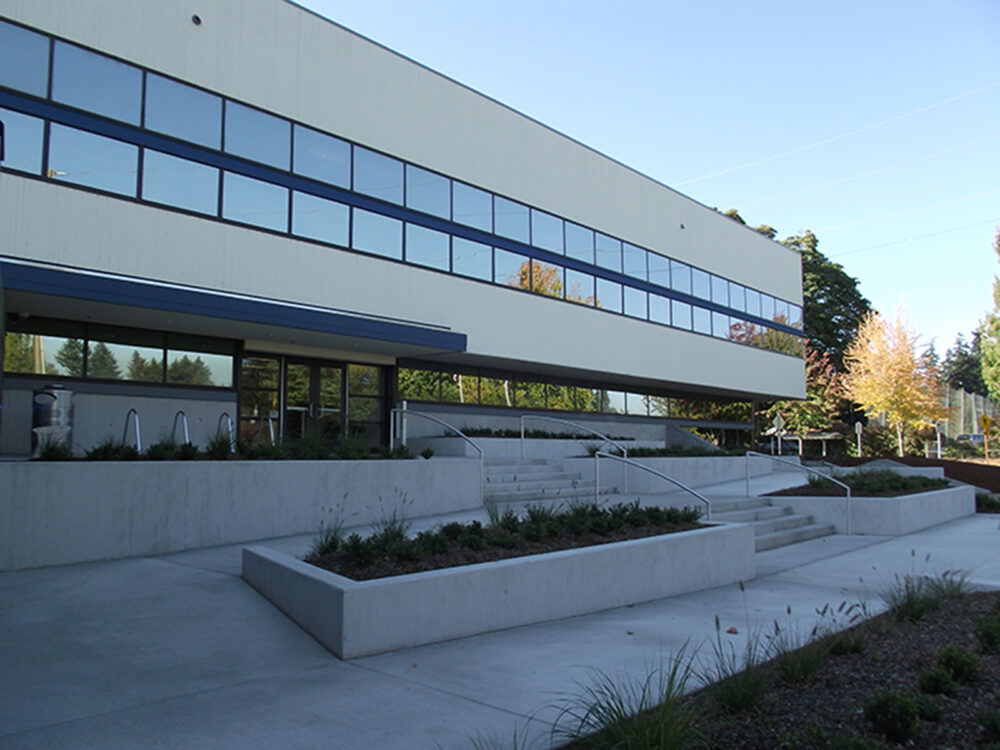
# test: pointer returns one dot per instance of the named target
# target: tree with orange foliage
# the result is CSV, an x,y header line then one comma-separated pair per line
x,y
824,393
887,376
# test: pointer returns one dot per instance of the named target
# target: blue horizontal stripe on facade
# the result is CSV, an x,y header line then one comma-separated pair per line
x,y
136,293
147,139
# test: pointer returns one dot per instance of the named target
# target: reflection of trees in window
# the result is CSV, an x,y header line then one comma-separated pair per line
x,y
418,385
101,363
188,371
70,357
18,353
147,370
495,392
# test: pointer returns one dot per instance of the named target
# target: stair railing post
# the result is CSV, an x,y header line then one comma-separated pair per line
x,y
522,436
747,474
402,425
597,476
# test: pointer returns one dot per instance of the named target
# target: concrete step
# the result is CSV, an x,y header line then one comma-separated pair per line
x,y
791,536
528,496
529,476
528,483
785,522
728,504
490,462
750,515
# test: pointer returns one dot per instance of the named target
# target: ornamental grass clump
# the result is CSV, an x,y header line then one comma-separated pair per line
x,y
895,716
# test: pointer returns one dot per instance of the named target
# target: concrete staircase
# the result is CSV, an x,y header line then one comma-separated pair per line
x,y
774,525
514,480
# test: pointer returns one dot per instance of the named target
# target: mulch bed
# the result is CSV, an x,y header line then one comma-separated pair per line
x,y
833,701
808,490
457,555
975,472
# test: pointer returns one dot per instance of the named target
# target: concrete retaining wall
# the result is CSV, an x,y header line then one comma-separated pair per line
x,y
356,618
694,472
887,516
56,513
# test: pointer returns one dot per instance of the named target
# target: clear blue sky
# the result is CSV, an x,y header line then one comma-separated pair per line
x,y
874,124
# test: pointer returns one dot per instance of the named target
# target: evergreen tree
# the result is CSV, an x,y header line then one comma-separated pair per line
x,y
18,353
101,363
962,366
70,358
147,371
990,338
189,371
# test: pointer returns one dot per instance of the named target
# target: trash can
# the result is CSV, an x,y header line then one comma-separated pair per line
x,y
51,417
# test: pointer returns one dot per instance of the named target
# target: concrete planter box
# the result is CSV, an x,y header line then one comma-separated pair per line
x,y
357,618
887,516
52,513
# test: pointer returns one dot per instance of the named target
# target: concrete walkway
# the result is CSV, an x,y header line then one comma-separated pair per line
x,y
179,652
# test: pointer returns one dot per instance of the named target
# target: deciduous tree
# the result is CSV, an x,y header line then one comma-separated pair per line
x,y
990,338
886,375
824,393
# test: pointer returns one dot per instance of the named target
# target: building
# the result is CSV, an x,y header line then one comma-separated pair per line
x,y
244,208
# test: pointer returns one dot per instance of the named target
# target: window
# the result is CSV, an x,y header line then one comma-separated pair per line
x,y
700,284
378,176
579,243
428,192
659,270
320,219
183,111
87,80
720,291
257,136
634,262
635,303
546,232
511,219
511,269
471,206
322,157
659,309
124,354
22,141
38,346
701,320
753,302
254,202
193,360
579,287
680,314
377,234
92,160
767,306
547,279
737,297
24,60
609,295
680,277
470,258
720,325
609,252
178,182
425,247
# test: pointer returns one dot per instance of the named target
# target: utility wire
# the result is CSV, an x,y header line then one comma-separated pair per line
x,y
908,211
913,239
835,138
842,180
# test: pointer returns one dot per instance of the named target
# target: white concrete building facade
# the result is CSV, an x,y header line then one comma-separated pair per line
x,y
246,208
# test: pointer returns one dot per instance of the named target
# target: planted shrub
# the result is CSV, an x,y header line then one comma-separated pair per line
x,y
351,449
187,452
219,448
427,452
359,551
797,661
988,633
452,530
961,663
327,541
55,450
736,679
165,450
929,708
910,598
433,542
938,681
989,720
893,715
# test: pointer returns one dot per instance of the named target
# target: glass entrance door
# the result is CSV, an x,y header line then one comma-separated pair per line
x,y
314,394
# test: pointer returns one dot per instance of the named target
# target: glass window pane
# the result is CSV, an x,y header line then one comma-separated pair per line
x,y
720,325
179,182
322,157
199,368
470,258
579,242
701,320
529,395
511,219
546,231
183,111
609,252
24,60
680,277
377,234
753,302
680,315
634,261
363,409
637,404
419,385
720,291
459,388
795,315
472,206
737,297
259,372
22,141
254,202
635,303
659,309
613,402
320,219
496,392
107,360
767,307
586,399
609,295
579,287
659,270
85,79
559,397
378,175
780,311
37,354
364,380
92,160
428,192
511,269
700,284
258,135
547,279
425,247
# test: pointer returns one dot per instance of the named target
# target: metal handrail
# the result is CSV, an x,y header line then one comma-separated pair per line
x,y
138,440
229,426
270,428
184,422
404,413
605,438
809,469
597,478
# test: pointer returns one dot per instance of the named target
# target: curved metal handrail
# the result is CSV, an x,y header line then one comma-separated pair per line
x,y
138,440
260,428
606,439
184,422
597,478
808,469
229,426
404,412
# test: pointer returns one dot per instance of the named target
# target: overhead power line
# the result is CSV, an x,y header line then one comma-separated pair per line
x,y
840,137
915,238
